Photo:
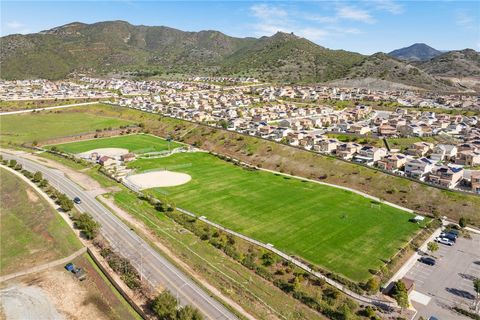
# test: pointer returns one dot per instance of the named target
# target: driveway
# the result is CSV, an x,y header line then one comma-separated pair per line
x,y
449,282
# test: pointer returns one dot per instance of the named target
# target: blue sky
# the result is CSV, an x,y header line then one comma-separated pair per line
x,y
364,26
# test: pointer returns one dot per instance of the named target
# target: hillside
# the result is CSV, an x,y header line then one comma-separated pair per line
x,y
463,63
383,67
290,58
415,52
108,46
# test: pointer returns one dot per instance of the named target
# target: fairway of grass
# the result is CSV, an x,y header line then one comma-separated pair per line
x,y
136,143
32,232
29,127
336,229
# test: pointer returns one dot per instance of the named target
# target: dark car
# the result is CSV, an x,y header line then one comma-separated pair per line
x,y
77,200
428,260
449,236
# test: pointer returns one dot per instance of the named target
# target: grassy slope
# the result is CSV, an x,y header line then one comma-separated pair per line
x,y
330,227
32,232
46,125
137,143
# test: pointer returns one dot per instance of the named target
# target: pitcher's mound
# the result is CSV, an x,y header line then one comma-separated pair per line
x,y
158,179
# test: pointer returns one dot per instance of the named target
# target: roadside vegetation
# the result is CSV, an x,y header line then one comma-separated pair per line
x,y
31,231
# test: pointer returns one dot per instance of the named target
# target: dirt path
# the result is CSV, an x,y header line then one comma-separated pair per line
x,y
145,230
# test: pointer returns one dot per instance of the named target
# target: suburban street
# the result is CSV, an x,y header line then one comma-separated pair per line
x,y
157,270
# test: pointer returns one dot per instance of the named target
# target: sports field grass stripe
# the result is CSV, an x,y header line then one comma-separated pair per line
x,y
331,227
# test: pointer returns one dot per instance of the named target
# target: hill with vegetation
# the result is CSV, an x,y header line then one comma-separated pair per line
x,y
463,63
118,47
415,52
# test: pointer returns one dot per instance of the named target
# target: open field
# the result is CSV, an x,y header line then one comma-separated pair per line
x,y
39,296
333,228
34,104
41,126
32,232
136,143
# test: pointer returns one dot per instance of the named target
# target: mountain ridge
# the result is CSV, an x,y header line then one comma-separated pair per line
x,y
117,46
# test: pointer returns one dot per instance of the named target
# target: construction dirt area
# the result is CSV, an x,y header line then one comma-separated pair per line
x,y
156,179
58,294
109,152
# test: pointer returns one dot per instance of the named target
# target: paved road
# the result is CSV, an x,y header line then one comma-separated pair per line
x,y
155,268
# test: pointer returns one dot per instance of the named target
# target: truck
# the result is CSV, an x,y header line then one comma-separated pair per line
x,y
77,271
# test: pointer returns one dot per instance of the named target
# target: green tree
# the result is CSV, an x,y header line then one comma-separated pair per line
x,y
462,222
372,285
37,177
432,246
165,306
43,183
64,202
18,167
400,294
188,313
88,225
12,163
223,123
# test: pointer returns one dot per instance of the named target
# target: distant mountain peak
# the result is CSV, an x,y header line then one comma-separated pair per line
x,y
416,52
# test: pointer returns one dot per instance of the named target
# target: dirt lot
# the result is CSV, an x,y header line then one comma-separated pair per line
x,y
39,296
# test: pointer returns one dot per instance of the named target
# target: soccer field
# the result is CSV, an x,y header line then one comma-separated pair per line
x,y
136,143
333,228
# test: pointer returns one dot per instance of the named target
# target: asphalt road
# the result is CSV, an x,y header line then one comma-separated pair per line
x,y
154,268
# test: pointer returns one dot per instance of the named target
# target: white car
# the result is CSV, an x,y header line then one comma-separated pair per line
x,y
444,241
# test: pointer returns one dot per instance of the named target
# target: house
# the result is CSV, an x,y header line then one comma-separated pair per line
x,y
468,158
106,161
420,149
387,130
475,180
347,150
369,155
360,128
445,176
443,152
326,145
392,162
418,168
128,157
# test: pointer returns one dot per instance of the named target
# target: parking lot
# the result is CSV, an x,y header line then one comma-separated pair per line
x,y
448,283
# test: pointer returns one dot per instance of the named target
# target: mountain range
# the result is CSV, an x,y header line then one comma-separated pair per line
x,y
118,46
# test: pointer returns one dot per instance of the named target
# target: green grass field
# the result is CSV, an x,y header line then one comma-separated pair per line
x,y
136,143
336,229
32,232
29,127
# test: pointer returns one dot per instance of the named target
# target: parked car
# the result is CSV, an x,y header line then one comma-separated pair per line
x,y
449,236
77,200
428,260
444,241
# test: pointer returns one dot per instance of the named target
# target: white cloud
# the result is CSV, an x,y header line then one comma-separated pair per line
x,y
267,12
314,34
463,19
14,25
387,5
355,14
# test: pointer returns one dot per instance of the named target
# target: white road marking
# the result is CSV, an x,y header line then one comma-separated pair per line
x,y
419,297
